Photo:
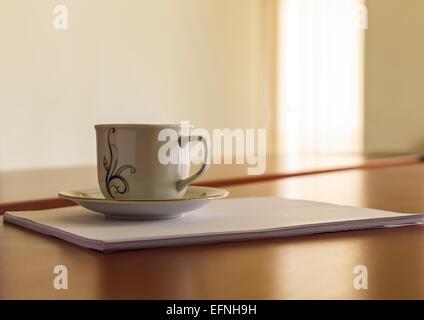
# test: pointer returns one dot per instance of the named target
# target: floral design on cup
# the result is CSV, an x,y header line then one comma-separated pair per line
x,y
115,182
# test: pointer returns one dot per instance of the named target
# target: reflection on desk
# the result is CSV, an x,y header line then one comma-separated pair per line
x,y
310,267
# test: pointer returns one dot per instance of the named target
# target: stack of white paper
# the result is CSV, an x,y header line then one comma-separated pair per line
x,y
218,221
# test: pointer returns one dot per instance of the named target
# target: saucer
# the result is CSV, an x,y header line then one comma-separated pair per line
x,y
194,198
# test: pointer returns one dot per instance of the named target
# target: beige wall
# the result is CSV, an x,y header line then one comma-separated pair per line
x,y
142,61
394,70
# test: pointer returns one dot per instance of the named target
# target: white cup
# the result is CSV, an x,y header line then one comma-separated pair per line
x,y
129,165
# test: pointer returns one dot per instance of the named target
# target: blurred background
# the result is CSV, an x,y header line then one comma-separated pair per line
x,y
322,76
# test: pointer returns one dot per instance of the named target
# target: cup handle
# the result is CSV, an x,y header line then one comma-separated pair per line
x,y
181,184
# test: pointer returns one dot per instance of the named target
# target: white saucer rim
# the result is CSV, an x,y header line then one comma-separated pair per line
x,y
224,193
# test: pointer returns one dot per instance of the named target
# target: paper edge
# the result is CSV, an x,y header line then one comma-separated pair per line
x,y
216,237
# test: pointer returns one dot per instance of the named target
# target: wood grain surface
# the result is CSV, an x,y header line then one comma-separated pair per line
x,y
309,267
230,176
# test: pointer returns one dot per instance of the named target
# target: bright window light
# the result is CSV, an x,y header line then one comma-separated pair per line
x,y
320,76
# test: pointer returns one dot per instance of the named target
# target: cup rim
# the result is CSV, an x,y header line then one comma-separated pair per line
x,y
142,125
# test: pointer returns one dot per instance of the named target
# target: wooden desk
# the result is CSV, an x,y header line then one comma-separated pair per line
x,y
46,183
311,267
